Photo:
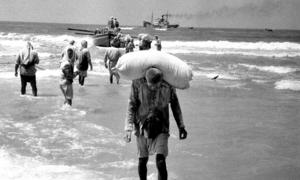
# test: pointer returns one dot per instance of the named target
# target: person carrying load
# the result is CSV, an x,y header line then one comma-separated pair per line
x,y
111,58
148,116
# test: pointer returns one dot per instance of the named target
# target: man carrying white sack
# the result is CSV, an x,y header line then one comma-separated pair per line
x,y
148,115
112,54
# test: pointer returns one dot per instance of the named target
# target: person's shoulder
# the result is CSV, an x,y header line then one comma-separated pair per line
x,y
140,81
165,84
34,52
110,49
64,63
85,51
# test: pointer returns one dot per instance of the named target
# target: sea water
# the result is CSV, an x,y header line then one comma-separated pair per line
x,y
242,125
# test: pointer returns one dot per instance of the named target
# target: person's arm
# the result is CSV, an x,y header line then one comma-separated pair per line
x,y
105,59
16,70
131,112
18,61
175,106
90,60
36,59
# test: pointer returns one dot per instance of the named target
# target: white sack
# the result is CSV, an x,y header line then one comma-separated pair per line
x,y
175,71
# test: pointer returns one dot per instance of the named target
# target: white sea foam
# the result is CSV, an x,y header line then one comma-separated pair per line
x,y
161,29
18,39
49,73
273,69
288,84
127,28
17,167
267,49
120,164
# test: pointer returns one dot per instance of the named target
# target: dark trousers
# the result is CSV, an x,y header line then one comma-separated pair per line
x,y
81,80
32,81
160,164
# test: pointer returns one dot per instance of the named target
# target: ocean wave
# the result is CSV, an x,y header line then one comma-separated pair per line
x,y
127,28
288,85
266,49
19,39
273,69
14,166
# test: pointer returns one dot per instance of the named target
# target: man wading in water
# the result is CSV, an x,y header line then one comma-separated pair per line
x,y
148,115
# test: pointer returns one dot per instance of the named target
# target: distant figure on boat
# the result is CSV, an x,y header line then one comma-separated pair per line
x,y
116,23
110,23
97,31
157,43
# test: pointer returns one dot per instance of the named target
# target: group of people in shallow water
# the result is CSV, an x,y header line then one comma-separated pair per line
x,y
148,108
73,63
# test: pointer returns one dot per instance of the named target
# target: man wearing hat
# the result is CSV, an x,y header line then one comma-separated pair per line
x,y
148,116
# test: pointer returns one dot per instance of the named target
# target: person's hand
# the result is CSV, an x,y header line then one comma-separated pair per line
x,y
182,133
127,136
16,74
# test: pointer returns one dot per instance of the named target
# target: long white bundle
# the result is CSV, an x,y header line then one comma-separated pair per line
x,y
175,71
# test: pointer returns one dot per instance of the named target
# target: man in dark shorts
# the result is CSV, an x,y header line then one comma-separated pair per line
x,y
148,115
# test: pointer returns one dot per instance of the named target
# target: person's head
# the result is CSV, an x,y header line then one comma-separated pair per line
x,y
84,43
72,42
156,36
70,53
154,78
29,45
111,17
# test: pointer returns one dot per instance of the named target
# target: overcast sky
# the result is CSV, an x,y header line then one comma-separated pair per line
x,y
282,14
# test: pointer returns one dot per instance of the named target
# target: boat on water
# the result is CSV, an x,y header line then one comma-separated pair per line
x,y
161,22
101,38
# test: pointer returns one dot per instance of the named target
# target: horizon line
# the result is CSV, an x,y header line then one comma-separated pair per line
x,y
37,22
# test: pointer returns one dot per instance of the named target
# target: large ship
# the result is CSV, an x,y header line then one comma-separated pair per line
x,y
161,22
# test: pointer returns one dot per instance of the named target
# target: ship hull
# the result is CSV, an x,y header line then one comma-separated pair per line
x,y
148,24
